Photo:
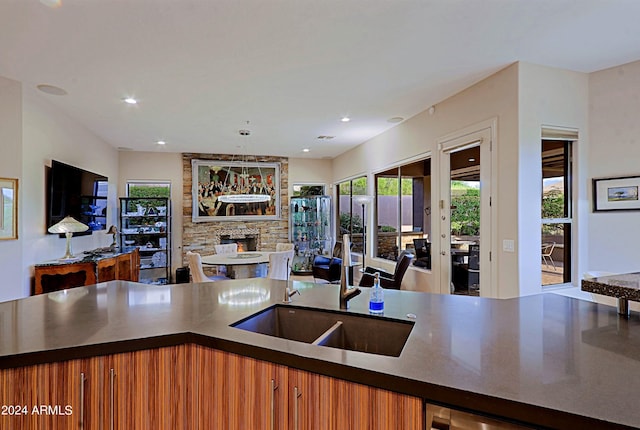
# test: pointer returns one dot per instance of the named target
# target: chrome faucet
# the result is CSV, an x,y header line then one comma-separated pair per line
x,y
288,292
346,293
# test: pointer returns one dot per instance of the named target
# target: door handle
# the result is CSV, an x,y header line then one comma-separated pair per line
x,y
296,395
82,380
112,377
274,387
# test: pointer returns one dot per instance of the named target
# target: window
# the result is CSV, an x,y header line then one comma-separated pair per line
x,y
304,190
403,196
556,213
149,189
350,216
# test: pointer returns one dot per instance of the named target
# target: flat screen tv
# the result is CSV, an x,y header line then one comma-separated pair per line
x,y
78,193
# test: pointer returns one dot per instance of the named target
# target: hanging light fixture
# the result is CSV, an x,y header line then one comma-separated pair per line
x,y
244,174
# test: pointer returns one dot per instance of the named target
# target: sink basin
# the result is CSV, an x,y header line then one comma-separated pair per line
x,y
364,333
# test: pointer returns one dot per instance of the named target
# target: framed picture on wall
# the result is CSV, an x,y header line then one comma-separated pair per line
x,y
616,194
235,190
8,209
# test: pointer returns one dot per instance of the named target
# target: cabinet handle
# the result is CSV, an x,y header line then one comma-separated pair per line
x,y
296,395
82,379
274,387
112,377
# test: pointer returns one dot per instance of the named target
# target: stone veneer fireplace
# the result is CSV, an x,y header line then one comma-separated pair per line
x,y
202,236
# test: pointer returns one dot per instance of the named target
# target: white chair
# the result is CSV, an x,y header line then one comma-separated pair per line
x,y
546,251
227,248
280,265
195,267
284,247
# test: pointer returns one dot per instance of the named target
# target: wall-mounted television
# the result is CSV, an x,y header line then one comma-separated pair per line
x,y
78,193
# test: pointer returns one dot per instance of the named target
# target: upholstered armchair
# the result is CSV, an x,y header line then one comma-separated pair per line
x,y
388,280
328,268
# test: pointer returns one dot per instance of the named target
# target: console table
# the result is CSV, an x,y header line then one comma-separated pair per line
x,y
96,267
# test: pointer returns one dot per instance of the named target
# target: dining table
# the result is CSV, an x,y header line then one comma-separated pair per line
x,y
241,265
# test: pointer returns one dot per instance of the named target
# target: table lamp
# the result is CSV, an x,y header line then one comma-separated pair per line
x,y
68,226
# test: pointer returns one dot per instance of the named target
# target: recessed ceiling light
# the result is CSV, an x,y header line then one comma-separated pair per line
x,y
130,100
306,150
345,119
323,137
395,119
51,3
51,89
161,142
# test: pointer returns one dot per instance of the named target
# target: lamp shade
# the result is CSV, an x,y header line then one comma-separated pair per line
x,y
68,225
362,199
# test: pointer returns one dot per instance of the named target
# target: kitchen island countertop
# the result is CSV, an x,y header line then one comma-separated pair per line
x,y
546,360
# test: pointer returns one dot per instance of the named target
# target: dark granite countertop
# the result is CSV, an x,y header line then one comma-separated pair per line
x,y
88,256
547,360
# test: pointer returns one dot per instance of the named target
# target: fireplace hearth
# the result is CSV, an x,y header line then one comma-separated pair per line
x,y
248,239
248,243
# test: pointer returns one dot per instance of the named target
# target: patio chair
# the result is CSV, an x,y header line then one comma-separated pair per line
x,y
546,251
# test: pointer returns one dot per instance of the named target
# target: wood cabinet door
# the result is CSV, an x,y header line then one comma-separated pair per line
x,y
107,269
228,391
323,402
62,276
146,389
41,397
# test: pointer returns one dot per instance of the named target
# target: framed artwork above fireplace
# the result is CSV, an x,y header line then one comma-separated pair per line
x,y
235,190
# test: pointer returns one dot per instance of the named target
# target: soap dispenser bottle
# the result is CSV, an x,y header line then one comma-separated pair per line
x,y
376,296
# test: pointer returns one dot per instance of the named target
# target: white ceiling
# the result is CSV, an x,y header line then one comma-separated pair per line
x,y
293,68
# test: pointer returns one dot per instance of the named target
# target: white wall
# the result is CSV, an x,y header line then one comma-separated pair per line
x,y
310,171
614,128
493,97
49,135
32,133
11,167
522,97
558,98
158,166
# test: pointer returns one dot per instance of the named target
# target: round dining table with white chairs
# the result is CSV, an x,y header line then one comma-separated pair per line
x,y
241,265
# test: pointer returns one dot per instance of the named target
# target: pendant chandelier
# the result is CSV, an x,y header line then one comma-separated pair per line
x,y
241,196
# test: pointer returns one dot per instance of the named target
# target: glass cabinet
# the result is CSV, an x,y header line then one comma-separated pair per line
x,y
145,223
310,230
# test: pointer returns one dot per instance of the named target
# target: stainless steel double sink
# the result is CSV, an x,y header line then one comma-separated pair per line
x,y
355,332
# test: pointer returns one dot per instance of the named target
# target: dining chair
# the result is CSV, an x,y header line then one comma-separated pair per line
x,y
227,248
197,273
280,265
546,251
284,247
